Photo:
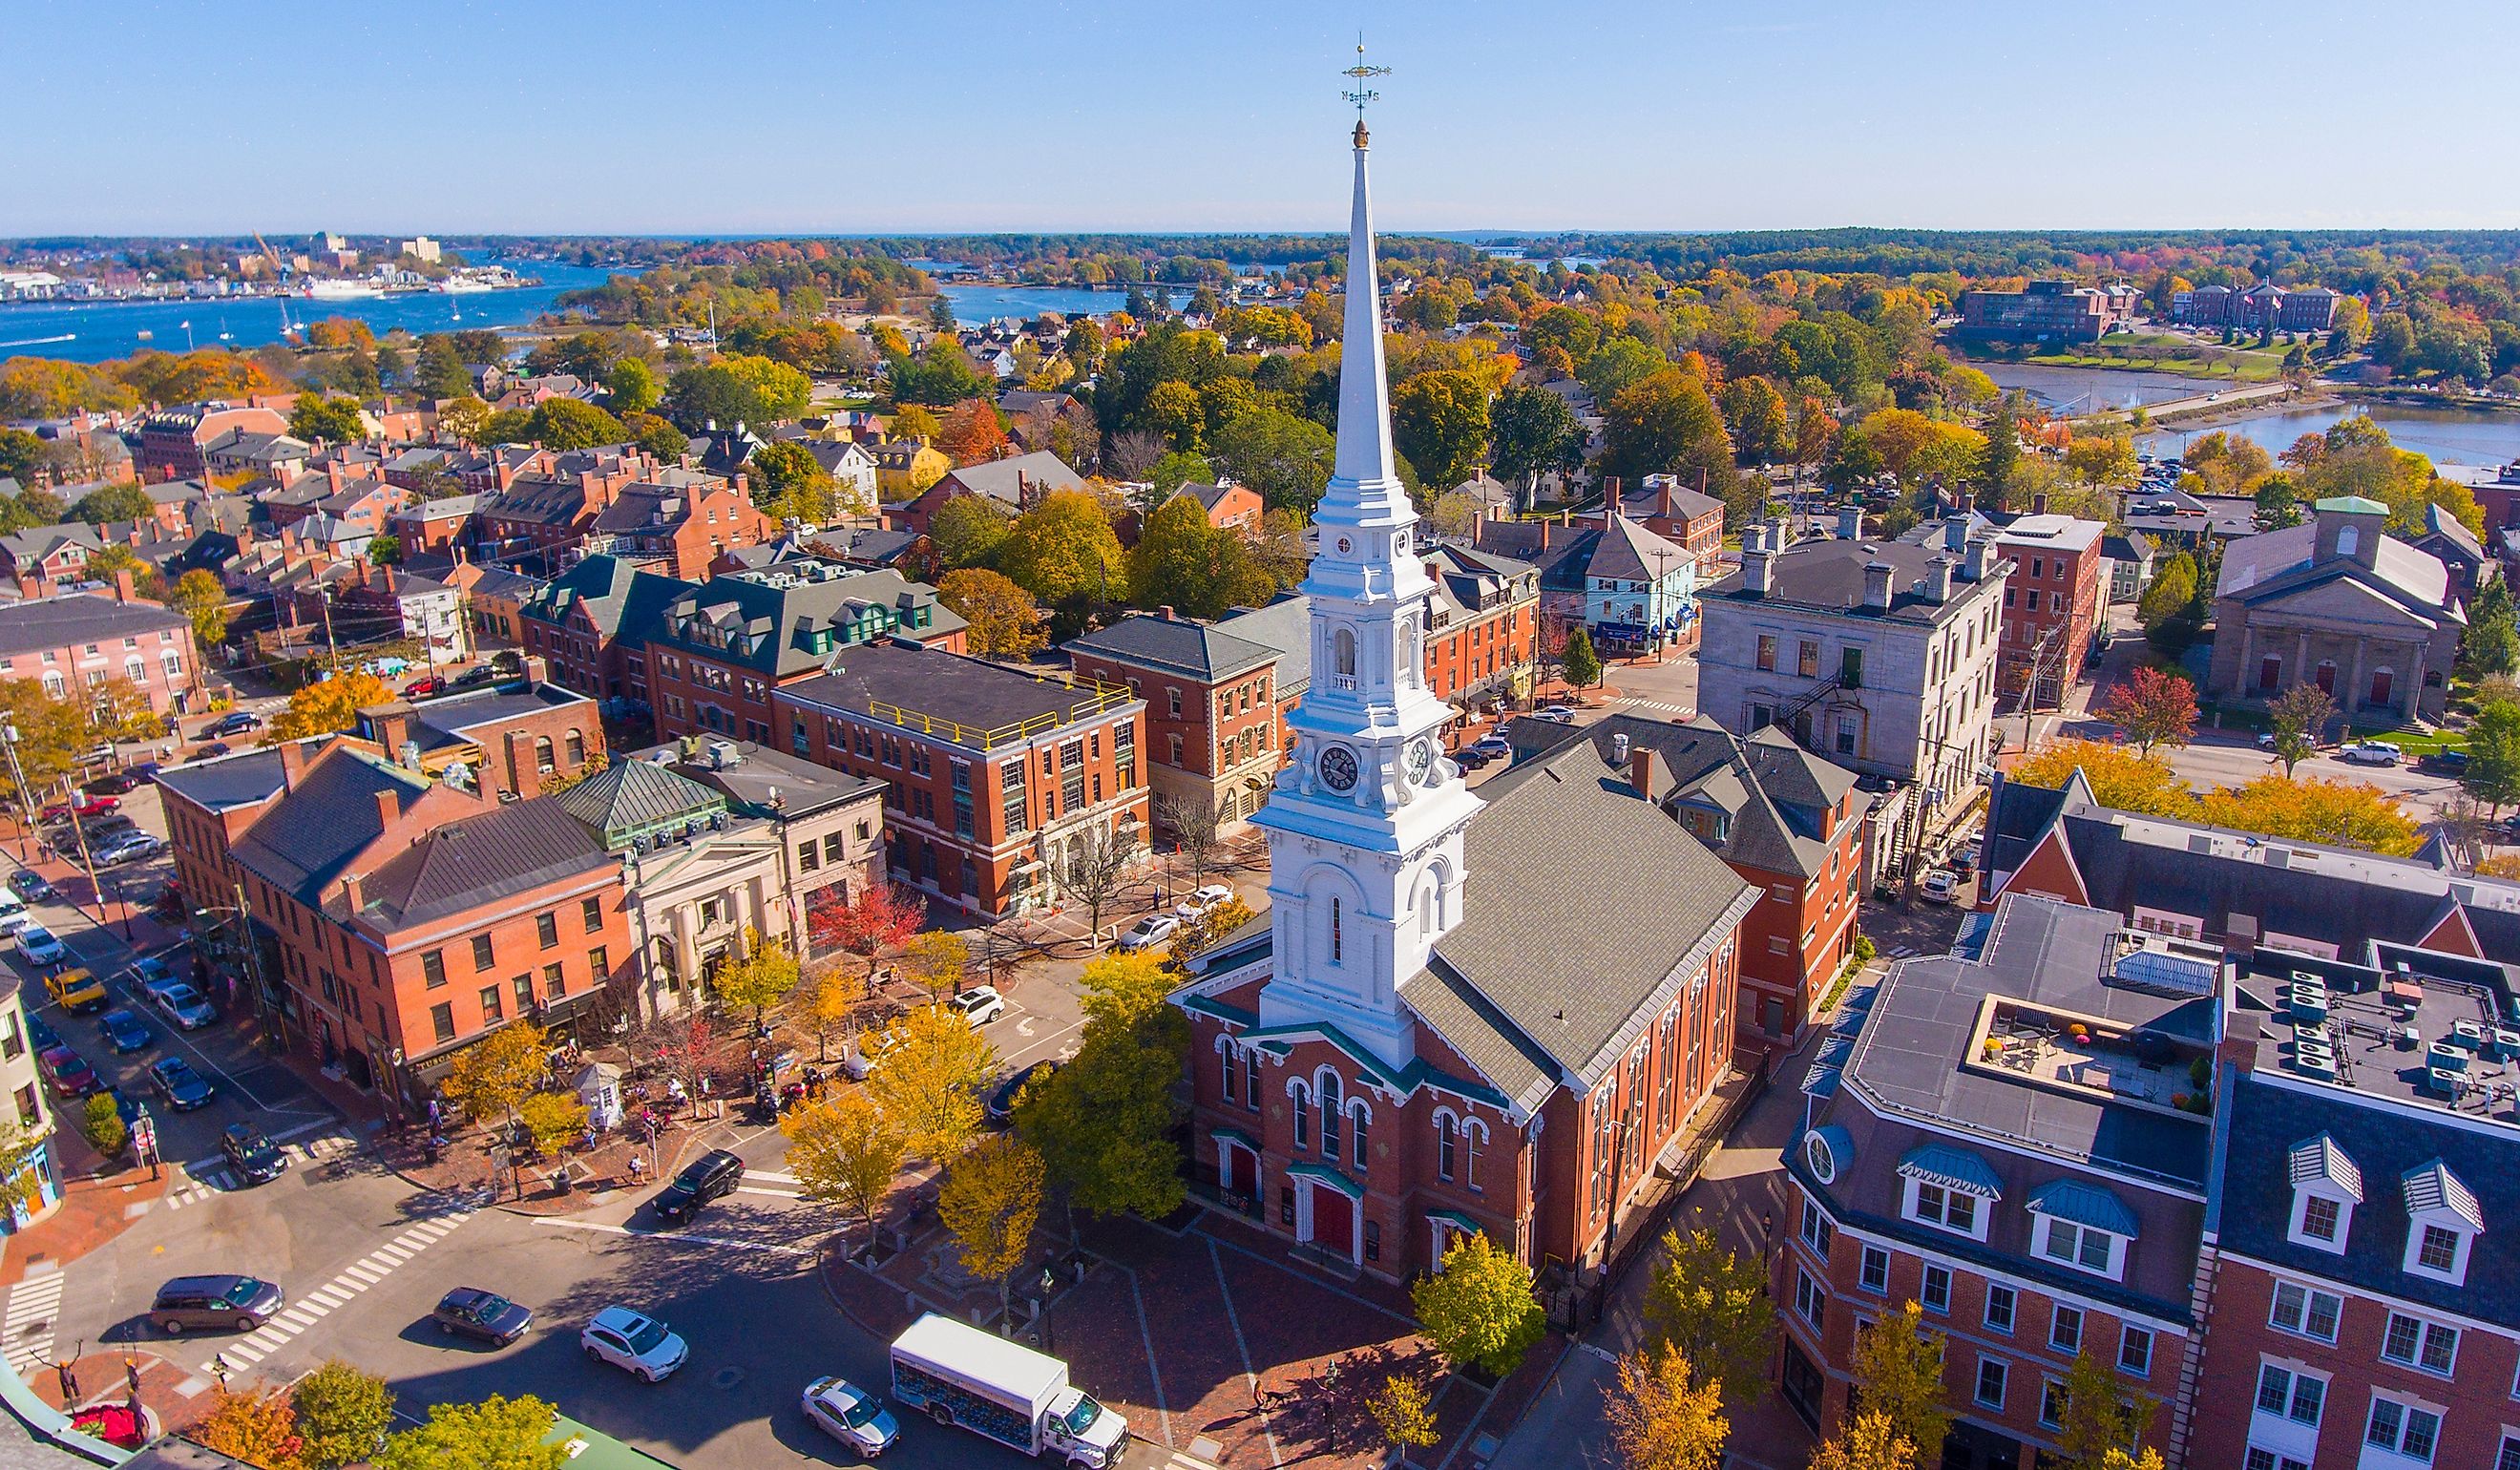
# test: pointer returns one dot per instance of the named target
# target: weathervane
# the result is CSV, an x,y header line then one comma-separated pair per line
x,y
1363,93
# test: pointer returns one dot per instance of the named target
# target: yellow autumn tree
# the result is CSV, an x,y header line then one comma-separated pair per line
x,y
2338,813
1660,1419
2119,777
322,708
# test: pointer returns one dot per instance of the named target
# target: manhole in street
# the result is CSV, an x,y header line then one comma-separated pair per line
x,y
727,1378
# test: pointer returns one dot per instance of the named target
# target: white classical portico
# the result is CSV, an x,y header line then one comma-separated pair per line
x,y
1365,825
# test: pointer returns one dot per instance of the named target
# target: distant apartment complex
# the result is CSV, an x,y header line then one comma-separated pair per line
x,y
2299,308
2047,309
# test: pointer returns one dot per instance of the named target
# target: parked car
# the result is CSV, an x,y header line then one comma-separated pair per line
x,y
240,1304
255,1158
124,1031
105,824
93,806
37,946
1941,886
851,1416
187,1007
483,1316
211,750
115,783
130,847
478,674
1000,1109
2449,758
65,1072
1486,750
1965,859
152,975
14,916
183,1087
1150,931
2371,753
1555,713
234,723
980,1004
30,885
634,1343
1201,899
76,990
714,1174
421,688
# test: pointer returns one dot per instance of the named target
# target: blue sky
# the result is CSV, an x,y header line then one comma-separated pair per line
x,y
844,116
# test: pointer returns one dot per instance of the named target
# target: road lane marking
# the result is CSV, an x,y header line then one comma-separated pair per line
x,y
317,1304
672,1237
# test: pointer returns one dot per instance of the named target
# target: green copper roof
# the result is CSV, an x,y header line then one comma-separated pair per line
x,y
2353,505
640,799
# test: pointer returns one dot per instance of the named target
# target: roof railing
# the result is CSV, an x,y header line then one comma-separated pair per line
x,y
1099,698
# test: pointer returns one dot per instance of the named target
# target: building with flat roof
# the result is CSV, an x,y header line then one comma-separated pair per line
x,y
2042,310
2052,604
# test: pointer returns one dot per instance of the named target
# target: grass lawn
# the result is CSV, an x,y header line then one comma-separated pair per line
x,y
2230,365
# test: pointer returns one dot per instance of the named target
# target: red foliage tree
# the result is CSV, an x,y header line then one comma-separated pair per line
x,y
884,917
2153,708
972,433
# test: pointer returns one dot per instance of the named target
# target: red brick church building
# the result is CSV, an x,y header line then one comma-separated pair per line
x,y
1459,1013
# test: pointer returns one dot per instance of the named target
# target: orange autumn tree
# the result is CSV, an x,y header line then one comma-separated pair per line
x,y
972,433
2339,813
2119,777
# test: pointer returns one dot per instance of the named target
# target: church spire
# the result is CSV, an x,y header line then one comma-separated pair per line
x,y
1365,483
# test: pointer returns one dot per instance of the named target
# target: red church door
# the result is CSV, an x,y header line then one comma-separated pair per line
x,y
1333,1220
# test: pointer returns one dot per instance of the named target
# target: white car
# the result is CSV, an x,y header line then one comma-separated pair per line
x,y
2371,753
1202,899
634,1343
1555,713
851,1416
38,946
980,1004
1149,932
1941,886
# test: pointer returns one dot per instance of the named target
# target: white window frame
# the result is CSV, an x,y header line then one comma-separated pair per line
x,y
2011,1309
2302,1196
2309,1296
1863,1277
2056,1317
2408,1409
2443,1220
2003,1383
1926,1293
1913,1206
2053,1231
2427,1333
2129,1334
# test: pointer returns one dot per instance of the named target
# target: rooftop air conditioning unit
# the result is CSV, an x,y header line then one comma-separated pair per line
x,y
724,754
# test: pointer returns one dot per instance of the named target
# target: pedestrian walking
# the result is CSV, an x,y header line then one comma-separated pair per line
x,y
637,1169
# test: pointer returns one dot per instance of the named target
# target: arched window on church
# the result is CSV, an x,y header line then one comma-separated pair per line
x,y
2346,539
1363,1121
1444,1146
1251,1078
1329,1116
1339,940
1473,1134
1343,652
1303,1119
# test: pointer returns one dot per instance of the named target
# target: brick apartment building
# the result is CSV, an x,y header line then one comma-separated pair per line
x,y
409,918
2303,308
174,441
2043,309
996,781
74,642
678,521
1212,719
1790,823
2037,1194
2052,603
1687,519
591,624
509,741
718,649
545,504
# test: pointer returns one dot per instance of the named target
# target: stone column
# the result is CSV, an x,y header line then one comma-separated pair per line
x,y
2351,691
2245,684
2302,671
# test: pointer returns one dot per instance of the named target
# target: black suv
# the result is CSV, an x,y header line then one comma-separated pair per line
x,y
256,1159
716,1173
238,1304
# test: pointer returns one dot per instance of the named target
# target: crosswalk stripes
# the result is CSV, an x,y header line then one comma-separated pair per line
x,y
1183,1459
35,1305
771,1184
314,1305
206,1179
1665,707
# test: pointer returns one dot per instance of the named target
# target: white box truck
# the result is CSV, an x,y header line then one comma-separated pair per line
x,y
959,1374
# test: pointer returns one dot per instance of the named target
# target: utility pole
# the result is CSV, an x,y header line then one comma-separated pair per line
x,y
26,803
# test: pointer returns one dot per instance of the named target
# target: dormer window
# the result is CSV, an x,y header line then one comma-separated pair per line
x,y
1949,1189
2327,1186
2083,1227
2442,1222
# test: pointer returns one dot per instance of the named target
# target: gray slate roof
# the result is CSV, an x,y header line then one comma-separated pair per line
x,y
1175,644
1551,963
624,602
1004,479
1828,574
778,608
306,840
481,859
35,624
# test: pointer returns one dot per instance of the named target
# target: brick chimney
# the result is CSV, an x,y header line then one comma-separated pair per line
x,y
292,764
388,810
1642,766
124,589
1662,503
537,669
354,892
2039,503
333,474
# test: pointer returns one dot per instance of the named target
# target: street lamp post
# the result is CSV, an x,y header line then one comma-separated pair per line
x,y
26,803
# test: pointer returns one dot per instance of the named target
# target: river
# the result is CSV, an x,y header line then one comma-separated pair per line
x,y
2446,435
979,305
103,330
2087,390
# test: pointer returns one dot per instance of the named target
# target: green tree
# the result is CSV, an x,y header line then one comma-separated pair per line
x,y
1755,414
1005,623
1713,1306
990,1202
1104,1122
438,372
1182,561
1285,458
2493,773
2492,642
843,1151
631,388
1440,422
21,454
498,1433
2166,610
761,978
789,483
1617,365
570,423
1062,550
1665,423
928,1082
103,1127
1176,469
2300,715
2094,1419
2003,452
1900,1365
1532,432
657,435
342,1414
386,551
1479,1308
113,505
494,1075
332,421
967,530
1583,666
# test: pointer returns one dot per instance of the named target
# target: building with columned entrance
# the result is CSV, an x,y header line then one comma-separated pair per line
x,y
1453,1017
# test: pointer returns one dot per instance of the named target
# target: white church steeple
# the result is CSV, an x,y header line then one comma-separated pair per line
x,y
1364,826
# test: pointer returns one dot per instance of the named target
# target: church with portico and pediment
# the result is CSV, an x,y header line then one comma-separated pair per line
x,y
1490,1011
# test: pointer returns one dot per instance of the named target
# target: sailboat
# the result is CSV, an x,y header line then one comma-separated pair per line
x,y
225,335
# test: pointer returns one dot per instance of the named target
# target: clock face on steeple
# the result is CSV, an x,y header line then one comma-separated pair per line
x,y
1422,759
1339,768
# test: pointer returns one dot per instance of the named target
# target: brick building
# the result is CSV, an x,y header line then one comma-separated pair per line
x,y
1212,724
2040,310
2052,603
677,523
1017,482
174,441
1790,823
591,624
719,649
506,739
1687,518
74,642
545,503
997,782
2037,1195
